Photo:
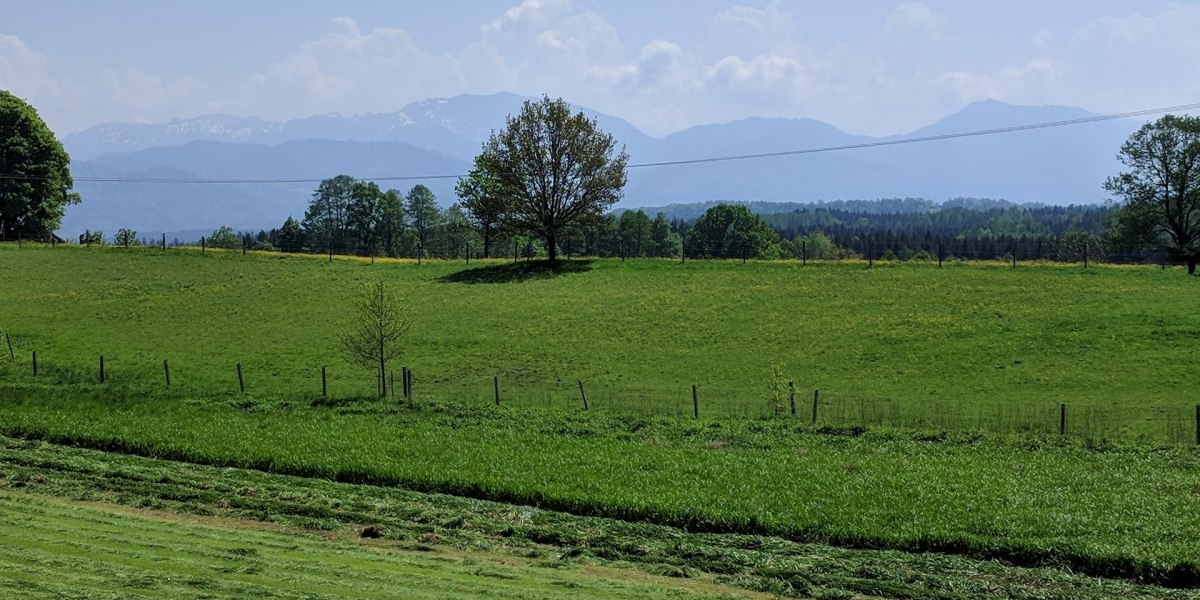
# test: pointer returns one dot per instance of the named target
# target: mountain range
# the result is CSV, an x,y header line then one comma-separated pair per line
x,y
439,137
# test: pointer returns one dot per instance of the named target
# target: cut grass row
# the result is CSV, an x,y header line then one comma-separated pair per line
x,y
203,531
56,549
1109,511
966,346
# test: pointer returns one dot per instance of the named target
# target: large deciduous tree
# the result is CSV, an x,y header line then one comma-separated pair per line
x,y
35,174
557,169
1161,189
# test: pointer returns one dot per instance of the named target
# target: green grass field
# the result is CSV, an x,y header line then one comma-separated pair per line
x,y
244,530
967,346
58,549
972,360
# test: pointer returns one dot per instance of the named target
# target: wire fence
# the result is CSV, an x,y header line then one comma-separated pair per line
x,y
1002,252
31,377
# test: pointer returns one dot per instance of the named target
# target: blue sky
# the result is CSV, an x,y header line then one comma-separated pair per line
x,y
876,67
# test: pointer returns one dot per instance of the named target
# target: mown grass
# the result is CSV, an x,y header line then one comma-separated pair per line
x,y
971,346
1102,510
232,506
55,549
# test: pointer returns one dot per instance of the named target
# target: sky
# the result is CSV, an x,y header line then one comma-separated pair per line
x,y
872,67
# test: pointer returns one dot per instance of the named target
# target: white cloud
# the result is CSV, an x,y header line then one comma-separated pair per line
x,y
1010,84
145,97
352,71
1041,39
1135,61
914,17
22,70
907,67
745,29
539,33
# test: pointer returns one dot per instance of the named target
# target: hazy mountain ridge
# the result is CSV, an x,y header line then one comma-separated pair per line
x,y
1061,165
187,206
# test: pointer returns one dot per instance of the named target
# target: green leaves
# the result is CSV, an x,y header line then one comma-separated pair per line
x,y
35,178
1161,189
548,170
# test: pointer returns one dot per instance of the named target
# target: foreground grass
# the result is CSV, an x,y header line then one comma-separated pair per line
x,y
966,346
57,549
185,530
1103,510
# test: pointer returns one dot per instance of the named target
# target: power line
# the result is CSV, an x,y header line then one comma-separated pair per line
x,y
670,163
930,138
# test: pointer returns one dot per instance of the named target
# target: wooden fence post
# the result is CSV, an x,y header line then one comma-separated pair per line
x,y
816,400
792,396
35,363
583,392
241,381
804,253
496,388
392,382
1062,419
203,247
940,255
1085,256
167,372
695,403
324,384
101,368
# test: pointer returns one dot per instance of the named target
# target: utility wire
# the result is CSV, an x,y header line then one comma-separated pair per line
x,y
929,138
693,161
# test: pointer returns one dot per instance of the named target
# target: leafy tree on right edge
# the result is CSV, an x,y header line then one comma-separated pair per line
x,y
1161,189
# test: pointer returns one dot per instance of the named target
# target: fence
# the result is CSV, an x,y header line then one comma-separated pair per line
x,y
839,409
1007,252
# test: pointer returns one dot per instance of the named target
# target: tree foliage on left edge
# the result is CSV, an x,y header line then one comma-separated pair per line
x,y
35,174
552,170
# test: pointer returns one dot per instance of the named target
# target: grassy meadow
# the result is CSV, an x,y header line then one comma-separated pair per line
x,y
968,346
939,392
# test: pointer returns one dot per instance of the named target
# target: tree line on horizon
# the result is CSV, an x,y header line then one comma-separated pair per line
x,y
547,180
348,216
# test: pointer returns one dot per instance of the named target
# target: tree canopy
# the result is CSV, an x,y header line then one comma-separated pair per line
x,y
1161,189
554,170
731,231
35,174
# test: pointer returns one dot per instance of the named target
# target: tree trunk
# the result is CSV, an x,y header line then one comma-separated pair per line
x,y
1192,260
382,371
551,248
